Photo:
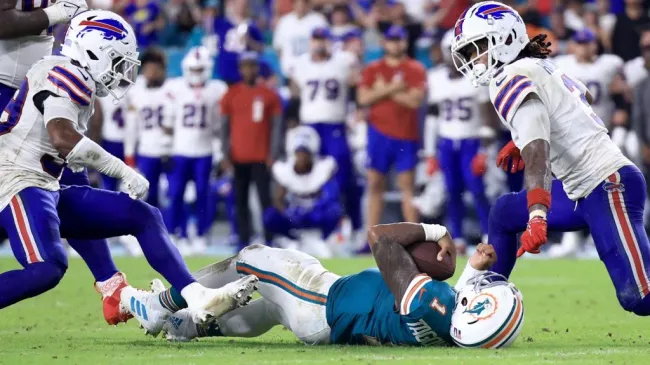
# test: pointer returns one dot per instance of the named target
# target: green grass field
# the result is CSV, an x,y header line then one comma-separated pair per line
x,y
572,317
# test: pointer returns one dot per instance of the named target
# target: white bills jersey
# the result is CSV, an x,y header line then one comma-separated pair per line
x,y
292,34
597,76
458,103
18,55
323,87
582,154
196,116
303,190
27,156
114,119
150,112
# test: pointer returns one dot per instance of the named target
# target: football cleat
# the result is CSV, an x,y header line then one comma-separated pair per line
x,y
213,303
180,327
110,291
146,308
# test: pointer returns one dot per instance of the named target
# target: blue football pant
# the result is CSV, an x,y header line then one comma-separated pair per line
x,y
37,219
455,158
185,169
151,168
613,212
334,143
283,223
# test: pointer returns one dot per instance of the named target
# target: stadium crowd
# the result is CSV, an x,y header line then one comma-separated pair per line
x,y
381,151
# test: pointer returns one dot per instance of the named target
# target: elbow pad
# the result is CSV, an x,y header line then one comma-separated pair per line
x,y
620,102
433,110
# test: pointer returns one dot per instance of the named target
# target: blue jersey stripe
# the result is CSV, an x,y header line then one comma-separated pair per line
x,y
74,80
505,89
61,85
513,97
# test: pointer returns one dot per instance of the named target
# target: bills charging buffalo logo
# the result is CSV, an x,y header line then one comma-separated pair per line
x,y
112,28
613,186
483,306
494,11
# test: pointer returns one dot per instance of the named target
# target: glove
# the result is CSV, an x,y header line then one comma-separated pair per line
x,y
534,236
136,185
510,153
63,11
479,164
432,166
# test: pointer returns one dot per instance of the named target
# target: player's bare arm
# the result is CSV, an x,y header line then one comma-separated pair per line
x,y
395,264
279,197
63,135
16,23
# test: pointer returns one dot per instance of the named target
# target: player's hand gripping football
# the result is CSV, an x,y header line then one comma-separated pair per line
x,y
447,246
136,185
534,236
484,257
510,154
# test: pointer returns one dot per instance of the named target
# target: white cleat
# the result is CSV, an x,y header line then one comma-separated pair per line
x,y
146,308
213,303
157,286
180,327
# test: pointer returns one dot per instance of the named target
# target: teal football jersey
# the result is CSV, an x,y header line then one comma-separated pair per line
x,y
361,310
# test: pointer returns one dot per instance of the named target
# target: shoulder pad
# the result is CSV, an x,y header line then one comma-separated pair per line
x,y
70,81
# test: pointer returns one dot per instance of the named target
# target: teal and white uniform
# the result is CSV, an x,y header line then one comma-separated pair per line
x,y
361,310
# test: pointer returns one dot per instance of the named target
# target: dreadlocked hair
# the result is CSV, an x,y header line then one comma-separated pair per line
x,y
537,47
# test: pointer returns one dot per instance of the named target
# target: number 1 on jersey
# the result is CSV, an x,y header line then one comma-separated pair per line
x,y
435,304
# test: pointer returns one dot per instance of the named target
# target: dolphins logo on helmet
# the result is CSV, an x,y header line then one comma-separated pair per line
x,y
112,28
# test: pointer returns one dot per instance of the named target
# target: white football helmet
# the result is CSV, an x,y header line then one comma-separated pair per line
x,y
489,313
197,65
488,32
302,137
104,44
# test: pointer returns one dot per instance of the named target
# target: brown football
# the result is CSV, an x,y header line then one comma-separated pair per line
x,y
425,255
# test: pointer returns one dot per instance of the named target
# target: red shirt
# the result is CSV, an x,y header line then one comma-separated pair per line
x,y
387,116
456,7
250,109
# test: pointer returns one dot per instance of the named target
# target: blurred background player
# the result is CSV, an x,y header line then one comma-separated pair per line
x,y
113,116
195,114
323,79
236,33
149,121
251,139
291,36
603,76
307,192
456,109
393,88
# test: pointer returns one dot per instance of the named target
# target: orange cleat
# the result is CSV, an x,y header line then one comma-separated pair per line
x,y
110,291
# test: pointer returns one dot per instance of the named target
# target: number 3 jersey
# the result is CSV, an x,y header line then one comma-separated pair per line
x,y
458,104
362,310
597,76
582,154
195,116
27,156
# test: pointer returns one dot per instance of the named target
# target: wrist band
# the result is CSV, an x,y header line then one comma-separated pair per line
x,y
433,232
539,196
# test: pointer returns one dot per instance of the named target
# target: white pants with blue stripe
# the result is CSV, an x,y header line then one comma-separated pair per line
x,y
293,286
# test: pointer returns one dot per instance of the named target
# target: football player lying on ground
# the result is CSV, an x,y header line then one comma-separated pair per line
x,y
393,305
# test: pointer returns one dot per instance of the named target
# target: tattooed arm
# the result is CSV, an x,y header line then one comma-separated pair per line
x,y
388,243
532,126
